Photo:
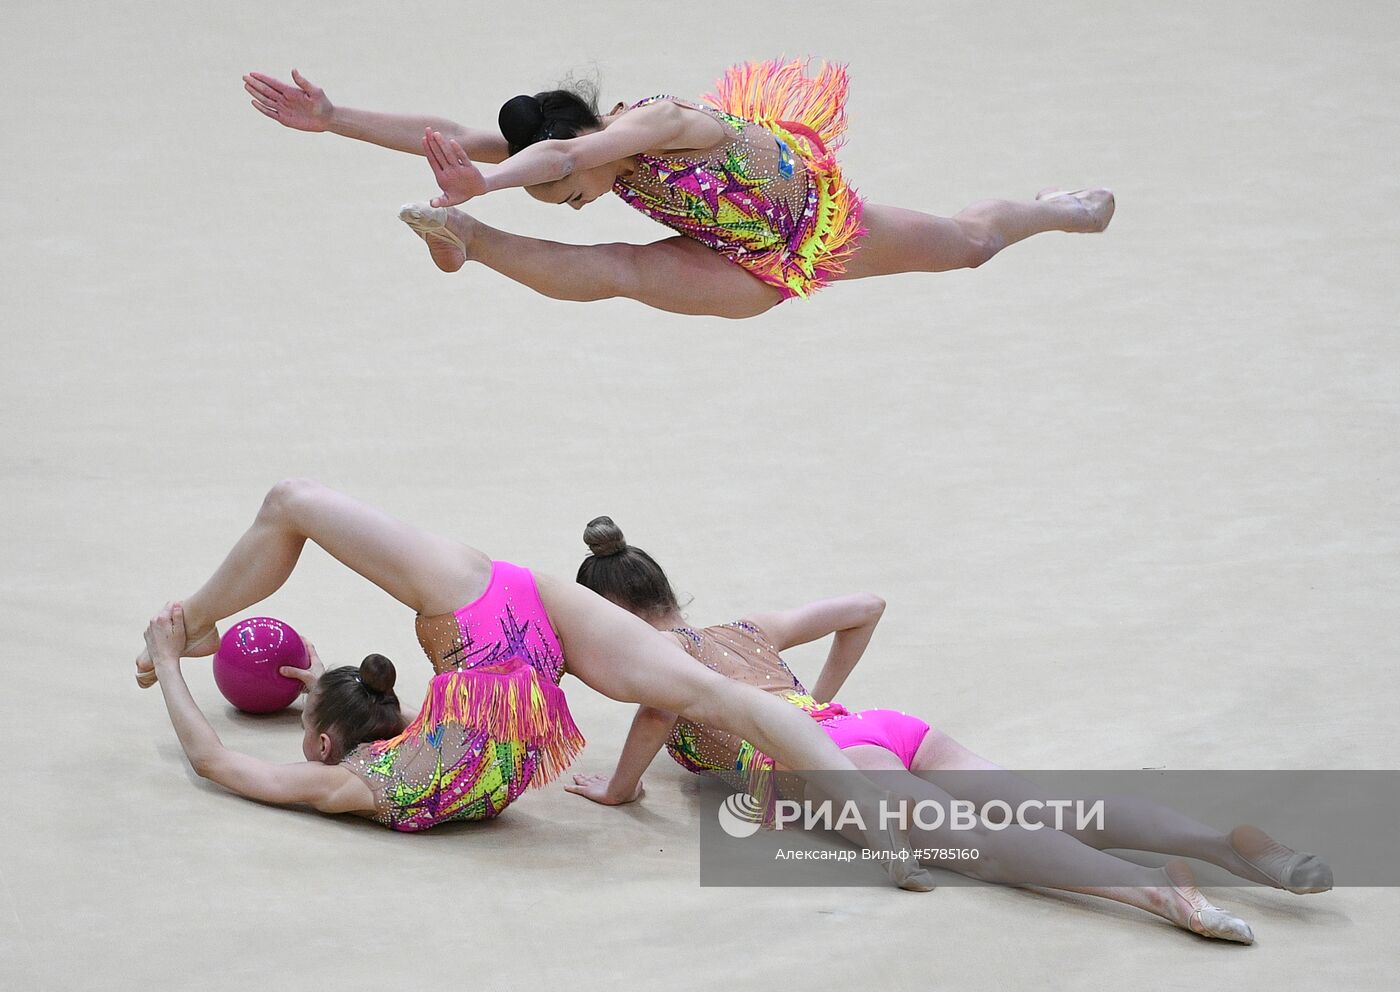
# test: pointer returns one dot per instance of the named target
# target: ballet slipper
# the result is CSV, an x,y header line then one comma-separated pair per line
x,y
430,224
1051,193
1054,192
906,873
911,876
1202,918
1296,871
427,220
206,643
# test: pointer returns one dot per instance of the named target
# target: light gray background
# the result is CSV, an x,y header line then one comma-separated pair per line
x,y
1131,498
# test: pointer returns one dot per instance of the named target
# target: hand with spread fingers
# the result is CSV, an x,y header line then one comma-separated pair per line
x,y
303,107
455,173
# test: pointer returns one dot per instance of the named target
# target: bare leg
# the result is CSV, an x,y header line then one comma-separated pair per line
x,y
1132,824
676,274
427,573
624,658
899,240
1051,859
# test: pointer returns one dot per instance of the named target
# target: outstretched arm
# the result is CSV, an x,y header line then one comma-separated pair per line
x,y
305,107
657,127
328,788
650,728
851,618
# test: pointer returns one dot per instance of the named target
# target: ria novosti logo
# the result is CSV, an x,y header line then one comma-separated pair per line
x,y
740,815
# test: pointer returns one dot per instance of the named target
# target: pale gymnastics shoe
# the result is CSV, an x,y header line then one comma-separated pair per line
x,y
429,221
1203,918
1297,871
1051,193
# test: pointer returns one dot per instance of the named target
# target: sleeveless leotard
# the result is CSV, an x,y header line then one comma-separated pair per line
x,y
742,652
770,197
494,721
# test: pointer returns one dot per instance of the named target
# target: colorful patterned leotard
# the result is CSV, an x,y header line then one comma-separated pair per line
x,y
494,722
742,652
771,197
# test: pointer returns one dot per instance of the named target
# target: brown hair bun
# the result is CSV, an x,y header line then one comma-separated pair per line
x,y
604,537
378,674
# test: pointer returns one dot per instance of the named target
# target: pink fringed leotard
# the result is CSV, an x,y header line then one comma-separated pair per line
x,y
770,197
494,722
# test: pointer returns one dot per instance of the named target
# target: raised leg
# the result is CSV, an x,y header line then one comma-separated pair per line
x,y
427,573
899,240
676,274
1131,823
1051,859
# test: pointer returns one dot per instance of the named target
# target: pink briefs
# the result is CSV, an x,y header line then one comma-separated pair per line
x,y
890,729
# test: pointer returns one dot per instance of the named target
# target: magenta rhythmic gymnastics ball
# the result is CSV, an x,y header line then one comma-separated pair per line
x,y
247,662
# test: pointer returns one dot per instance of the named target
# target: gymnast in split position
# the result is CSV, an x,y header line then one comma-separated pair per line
x,y
748,178
916,761
494,721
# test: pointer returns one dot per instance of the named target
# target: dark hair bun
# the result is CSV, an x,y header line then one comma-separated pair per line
x,y
377,673
564,103
554,114
604,537
521,119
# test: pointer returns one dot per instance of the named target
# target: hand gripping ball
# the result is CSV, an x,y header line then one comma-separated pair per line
x,y
246,664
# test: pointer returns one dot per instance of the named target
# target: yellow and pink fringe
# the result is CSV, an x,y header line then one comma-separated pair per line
x,y
508,702
809,111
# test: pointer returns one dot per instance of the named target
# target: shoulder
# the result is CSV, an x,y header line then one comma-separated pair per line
x,y
752,627
659,100
352,791
768,628
652,111
339,789
677,124
687,637
356,760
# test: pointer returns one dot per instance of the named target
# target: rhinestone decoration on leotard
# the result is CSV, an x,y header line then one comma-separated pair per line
x,y
742,652
494,721
471,637
451,773
770,197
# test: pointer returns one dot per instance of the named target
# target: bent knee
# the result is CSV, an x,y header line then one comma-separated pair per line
x,y
289,495
622,278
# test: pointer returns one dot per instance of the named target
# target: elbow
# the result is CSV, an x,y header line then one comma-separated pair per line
x,y
568,163
205,765
562,158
